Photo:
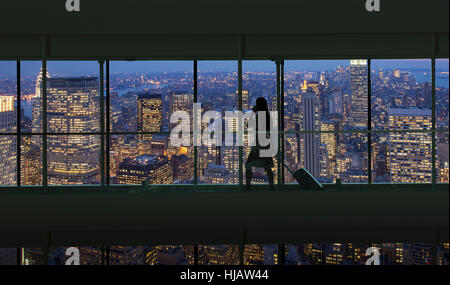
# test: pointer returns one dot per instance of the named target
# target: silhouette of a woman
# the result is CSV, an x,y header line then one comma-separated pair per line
x,y
254,159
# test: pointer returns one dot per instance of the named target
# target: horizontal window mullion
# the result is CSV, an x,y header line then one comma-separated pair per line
x,y
245,132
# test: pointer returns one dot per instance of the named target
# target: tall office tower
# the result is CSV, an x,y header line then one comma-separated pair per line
x,y
410,153
156,169
359,93
309,151
396,73
254,254
8,150
335,102
149,112
126,255
73,107
330,142
182,101
30,163
291,157
426,96
149,119
218,255
380,74
230,159
324,79
36,104
246,100
8,256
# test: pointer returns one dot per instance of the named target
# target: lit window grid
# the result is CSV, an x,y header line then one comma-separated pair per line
x,y
280,81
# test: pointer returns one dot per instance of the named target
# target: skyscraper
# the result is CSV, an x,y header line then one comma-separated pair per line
x,y
149,119
149,112
410,153
37,104
309,148
7,143
73,107
359,93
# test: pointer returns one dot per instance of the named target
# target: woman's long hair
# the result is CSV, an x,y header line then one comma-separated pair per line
x,y
261,106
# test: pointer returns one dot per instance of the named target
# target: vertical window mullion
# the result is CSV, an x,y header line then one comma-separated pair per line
x,y
44,123
278,66
433,120
241,148
108,127
18,129
369,121
102,124
281,110
194,123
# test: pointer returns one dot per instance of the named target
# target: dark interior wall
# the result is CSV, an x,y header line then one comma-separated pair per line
x,y
224,29
223,17
383,214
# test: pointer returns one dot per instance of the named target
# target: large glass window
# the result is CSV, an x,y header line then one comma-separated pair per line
x,y
143,96
442,115
401,104
218,162
325,102
259,79
8,119
325,117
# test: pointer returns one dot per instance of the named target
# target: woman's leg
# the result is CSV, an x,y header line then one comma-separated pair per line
x,y
269,175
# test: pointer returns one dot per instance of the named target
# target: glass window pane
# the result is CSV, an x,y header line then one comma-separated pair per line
x,y
218,91
73,159
319,91
259,79
328,156
8,96
31,160
8,158
442,167
442,112
155,162
402,157
401,89
73,97
31,99
172,82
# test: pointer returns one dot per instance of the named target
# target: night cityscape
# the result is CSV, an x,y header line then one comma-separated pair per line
x,y
326,109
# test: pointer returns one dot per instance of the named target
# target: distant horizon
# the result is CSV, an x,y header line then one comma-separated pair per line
x,y
74,68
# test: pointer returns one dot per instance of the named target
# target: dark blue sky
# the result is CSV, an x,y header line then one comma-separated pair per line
x,y
8,68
